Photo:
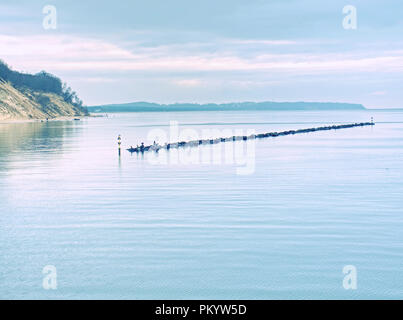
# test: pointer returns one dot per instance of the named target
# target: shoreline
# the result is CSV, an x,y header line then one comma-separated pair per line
x,y
64,118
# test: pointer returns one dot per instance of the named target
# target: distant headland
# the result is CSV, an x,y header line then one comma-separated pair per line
x,y
32,97
236,106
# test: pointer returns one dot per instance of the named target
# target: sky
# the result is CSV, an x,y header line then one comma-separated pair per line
x,y
202,51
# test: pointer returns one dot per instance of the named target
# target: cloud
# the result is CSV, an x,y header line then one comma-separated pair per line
x,y
188,82
99,80
378,93
11,11
217,50
78,54
265,42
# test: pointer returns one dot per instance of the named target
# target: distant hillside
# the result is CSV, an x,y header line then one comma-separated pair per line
x,y
275,106
40,96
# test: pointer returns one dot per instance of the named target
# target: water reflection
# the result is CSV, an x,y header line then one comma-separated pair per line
x,y
34,135
34,138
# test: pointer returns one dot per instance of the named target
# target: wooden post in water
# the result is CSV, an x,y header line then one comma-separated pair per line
x,y
119,143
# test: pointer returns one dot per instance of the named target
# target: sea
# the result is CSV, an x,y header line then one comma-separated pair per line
x,y
307,216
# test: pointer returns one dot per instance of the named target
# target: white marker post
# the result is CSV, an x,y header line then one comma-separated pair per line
x,y
119,143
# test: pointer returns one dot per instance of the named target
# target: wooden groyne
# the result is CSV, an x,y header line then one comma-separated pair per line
x,y
194,143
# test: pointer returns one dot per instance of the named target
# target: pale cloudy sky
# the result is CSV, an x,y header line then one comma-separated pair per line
x,y
212,50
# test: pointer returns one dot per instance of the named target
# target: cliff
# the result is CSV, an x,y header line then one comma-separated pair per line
x,y
41,96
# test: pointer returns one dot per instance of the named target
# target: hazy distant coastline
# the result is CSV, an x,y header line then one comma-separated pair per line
x,y
239,106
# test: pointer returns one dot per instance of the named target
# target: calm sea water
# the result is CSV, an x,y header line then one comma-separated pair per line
x,y
126,227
